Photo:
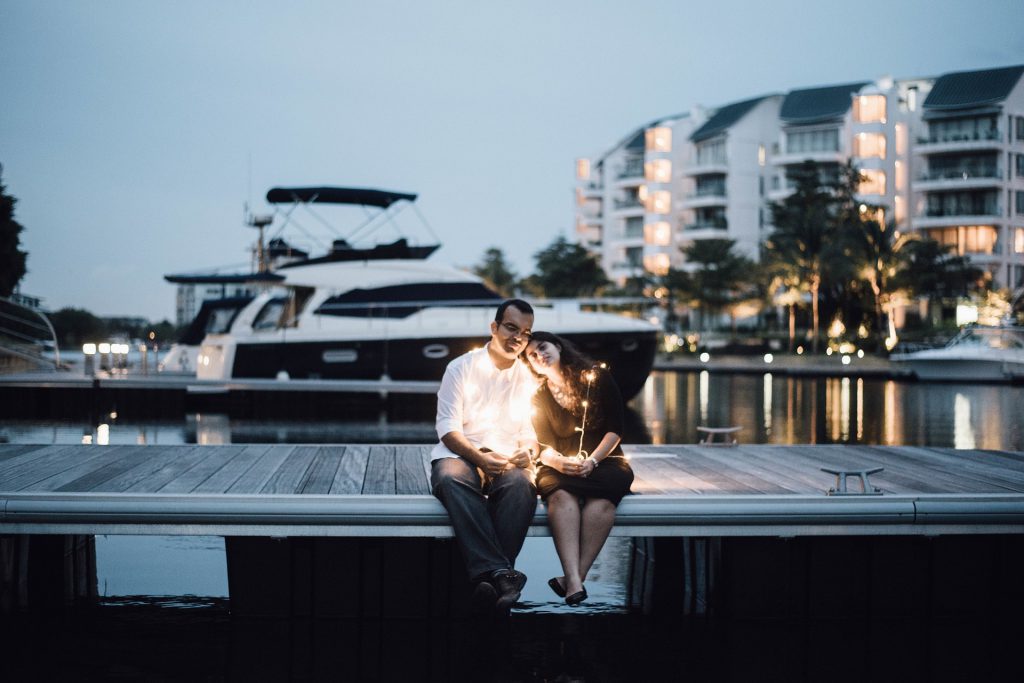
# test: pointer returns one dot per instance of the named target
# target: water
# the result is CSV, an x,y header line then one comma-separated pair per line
x,y
172,590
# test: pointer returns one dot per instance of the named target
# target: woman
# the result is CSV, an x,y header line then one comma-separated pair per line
x,y
582,475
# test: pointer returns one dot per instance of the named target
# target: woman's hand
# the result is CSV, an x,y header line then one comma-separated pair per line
x,y
587,467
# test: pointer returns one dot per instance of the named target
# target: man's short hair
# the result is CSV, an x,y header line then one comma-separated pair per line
x,y
518,304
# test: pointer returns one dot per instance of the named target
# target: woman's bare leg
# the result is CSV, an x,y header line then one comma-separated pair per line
x,y
597,517
564,520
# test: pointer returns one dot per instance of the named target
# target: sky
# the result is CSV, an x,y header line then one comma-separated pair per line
x,y
132,133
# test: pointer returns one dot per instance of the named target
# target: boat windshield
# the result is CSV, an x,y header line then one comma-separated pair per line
x,y
993,338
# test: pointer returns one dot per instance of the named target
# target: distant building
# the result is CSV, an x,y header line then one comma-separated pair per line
x,y
943,156
969,175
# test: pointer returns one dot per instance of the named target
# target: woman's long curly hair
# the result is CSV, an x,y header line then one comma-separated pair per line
x,y
573,364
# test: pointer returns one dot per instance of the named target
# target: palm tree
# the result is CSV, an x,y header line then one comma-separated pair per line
x,y
805,234
721,277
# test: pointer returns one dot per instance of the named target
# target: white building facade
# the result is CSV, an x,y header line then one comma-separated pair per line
x,y
943,156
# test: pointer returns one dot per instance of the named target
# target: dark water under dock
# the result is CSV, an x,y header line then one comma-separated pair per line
x,y
177,637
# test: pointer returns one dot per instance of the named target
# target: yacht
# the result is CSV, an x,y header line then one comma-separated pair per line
x,y
975,354
381,312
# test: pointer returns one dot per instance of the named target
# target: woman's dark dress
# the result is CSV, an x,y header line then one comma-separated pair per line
x,y
556,427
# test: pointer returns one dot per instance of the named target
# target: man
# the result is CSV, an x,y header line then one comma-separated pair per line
x,y
481,468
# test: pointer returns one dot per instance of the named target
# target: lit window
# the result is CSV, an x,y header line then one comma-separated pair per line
x,y
901,139
658,234
901,176
869,145
583,169
872,182
1018,241
900,210
656,263
641,193
659,202
658,139
761,156
869,109
658,171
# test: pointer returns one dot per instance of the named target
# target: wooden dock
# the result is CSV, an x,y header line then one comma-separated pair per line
x,y
383,490
711,528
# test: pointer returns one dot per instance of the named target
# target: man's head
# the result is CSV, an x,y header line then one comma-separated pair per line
x,y
510,329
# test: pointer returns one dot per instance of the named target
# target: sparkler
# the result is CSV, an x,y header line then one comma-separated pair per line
x,y
590,376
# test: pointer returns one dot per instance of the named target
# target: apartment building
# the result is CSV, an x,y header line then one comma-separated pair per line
x,y
969,169
944,156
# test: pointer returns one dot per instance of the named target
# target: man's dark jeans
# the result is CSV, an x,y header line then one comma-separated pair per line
x,y
490,517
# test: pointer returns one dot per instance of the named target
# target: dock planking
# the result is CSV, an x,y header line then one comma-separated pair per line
x,y
758,478
383,469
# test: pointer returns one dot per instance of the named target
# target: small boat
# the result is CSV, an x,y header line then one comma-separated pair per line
x,y
380,312
976,354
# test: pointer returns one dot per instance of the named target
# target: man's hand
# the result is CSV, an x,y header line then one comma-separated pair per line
x,y
493,464
523,457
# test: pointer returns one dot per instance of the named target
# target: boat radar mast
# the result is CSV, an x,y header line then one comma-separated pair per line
x,y
259,222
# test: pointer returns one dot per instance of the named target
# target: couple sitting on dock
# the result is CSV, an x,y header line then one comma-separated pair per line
x,y
527,413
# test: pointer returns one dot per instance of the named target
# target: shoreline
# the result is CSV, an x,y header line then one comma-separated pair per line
x,y
786,364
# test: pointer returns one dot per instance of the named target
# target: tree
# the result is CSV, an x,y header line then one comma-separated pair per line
x,y
496,272
804,234
75,326
566,269
12,259
721,278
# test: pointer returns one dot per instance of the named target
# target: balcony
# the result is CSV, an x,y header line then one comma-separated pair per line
x,y
715,196
967,216
934,144
717,225
959,178
787,158
710,166
631,172
591,190
630,205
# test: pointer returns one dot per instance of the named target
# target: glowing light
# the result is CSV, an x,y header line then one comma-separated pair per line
x,y
799,350
846,360
89,349
705,357
768,358
860,353
966,314
103,435
828,351
113,415
104,347
890,343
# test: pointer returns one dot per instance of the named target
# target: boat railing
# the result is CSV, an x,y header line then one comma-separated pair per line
x,y
558,306
24,331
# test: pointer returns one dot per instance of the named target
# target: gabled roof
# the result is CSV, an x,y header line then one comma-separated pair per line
x,y
813,105
964,89
724,118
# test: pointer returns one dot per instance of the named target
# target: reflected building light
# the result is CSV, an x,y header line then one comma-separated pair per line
x,y
889,436
844,409
963,432
860,409
767,403
703,392
140,440
103,435
86,439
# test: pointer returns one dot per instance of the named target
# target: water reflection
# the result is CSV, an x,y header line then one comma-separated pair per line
x,y
798,410
769,408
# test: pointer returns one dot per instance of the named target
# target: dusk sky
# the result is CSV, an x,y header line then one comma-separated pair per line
x,y
132,133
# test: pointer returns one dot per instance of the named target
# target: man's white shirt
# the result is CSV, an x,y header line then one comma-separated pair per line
x,y
491,407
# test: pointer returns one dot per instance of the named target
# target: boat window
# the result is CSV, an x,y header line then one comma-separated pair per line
x,y
270,315
220,319
401,301
300,296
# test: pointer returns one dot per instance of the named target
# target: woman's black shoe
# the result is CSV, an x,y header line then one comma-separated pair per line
x,y
556,587
576,598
